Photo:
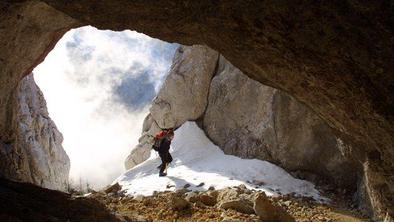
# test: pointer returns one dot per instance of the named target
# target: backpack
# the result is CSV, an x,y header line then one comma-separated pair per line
x,y
156,144
158,139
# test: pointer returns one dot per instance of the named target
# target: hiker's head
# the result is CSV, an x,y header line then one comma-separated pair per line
x,y
170,133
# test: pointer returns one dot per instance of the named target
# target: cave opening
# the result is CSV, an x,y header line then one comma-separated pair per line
x,y
98,86
328,57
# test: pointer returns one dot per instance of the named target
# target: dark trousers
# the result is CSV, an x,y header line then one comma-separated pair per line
x,y
166,158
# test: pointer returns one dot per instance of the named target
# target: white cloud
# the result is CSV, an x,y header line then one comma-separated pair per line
x,y
84,80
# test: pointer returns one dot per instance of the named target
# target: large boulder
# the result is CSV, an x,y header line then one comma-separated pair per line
x,y
178,203
239,114
141,151
268,212
35,153
236,199
250,120
184,93
182,97
306,145
139,154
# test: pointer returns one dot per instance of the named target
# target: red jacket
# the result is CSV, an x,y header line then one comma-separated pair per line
x,y
160,134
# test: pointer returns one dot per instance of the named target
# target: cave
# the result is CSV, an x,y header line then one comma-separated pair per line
x,y
333,56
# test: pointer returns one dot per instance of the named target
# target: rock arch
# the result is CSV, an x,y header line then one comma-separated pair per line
x,y
333,56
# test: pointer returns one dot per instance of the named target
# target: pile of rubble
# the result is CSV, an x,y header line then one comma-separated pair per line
x,y
229,204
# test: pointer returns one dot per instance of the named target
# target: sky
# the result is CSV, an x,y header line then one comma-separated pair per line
x,y
98,86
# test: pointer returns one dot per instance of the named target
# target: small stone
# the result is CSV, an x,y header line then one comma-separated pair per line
x,y
258,182
207,199
287,203
241,206
138,198
213,193
178,203
242,187
191,197
201,184
199,204
113,188
182,191
186,186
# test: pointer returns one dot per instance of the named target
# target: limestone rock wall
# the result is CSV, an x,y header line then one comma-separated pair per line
x,y
34,151
247,119
183,95
251,120
30,30
244,118
239,115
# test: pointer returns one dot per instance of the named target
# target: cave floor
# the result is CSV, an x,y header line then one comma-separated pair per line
x,y
26,202
156,208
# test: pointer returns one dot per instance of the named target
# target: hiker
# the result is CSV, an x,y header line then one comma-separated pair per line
x,y
162,145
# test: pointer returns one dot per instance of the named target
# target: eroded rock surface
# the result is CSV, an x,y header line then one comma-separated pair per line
x,y
183,95
34,152
246,119
29,30
250,120
239,116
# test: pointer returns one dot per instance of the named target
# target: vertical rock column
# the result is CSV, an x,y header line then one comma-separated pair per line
x,y
33,152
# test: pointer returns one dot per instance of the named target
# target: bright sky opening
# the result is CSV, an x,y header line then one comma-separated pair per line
x,y
98,86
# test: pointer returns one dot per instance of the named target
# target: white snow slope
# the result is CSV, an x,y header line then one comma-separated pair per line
x,y
197,160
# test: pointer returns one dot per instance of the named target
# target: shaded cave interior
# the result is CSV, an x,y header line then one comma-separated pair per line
x,y
343,72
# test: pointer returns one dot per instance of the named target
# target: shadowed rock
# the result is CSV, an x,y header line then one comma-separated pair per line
x,y
26,202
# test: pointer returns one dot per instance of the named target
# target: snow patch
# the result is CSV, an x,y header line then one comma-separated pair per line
x,y
197,160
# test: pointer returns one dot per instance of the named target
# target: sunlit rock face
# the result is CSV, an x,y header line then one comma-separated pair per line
x,y
244,118
34,152
251,120
183,95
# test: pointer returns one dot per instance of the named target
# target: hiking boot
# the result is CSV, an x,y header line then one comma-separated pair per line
x,y
162,174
